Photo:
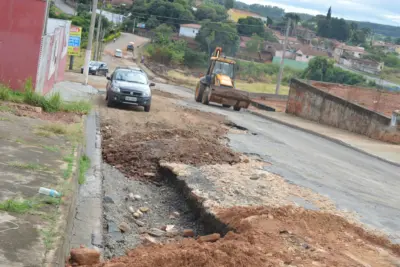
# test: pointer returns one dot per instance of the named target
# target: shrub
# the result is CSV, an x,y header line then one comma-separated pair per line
x,y
5,93
112,36
195,59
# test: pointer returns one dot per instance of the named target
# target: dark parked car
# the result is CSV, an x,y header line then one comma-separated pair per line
x,y
97,68
129,86
130,47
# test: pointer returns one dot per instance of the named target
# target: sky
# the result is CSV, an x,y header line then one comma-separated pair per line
x,y
378,11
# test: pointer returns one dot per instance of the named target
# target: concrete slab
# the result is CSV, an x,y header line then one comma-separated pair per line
x,y
73,91
30,233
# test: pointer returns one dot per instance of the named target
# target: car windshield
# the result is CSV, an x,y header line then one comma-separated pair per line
x,y
223,68
94,63
131,76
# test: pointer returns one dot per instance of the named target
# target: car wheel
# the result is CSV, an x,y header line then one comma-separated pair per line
x,y
226,106
236,108
106,96
81,71
147,108
109,102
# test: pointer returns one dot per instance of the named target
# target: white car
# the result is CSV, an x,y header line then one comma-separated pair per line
x,y
118,53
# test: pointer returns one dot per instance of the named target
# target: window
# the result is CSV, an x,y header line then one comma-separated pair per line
x,y
131,76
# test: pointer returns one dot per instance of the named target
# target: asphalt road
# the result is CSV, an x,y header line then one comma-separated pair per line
x,y
64,7
354,181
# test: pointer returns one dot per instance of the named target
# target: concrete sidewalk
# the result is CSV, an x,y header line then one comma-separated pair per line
x,y
384,151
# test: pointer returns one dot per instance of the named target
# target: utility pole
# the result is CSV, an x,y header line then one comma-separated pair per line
x,y
98,32
278,84
134,25
90,42
46,17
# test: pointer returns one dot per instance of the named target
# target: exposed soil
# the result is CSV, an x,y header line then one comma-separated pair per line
x,y
283,236
135,142
24,110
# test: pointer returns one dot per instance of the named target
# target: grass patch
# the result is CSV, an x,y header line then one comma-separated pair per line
x,y
20,141
259,87
43,133
188,80
52,148
5,108
27,205
4,119
55,128
52,103
84,165
70,164
17,206
81,107
73,132
28,166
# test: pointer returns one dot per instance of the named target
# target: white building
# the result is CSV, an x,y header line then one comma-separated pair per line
x,y
354,51
189,30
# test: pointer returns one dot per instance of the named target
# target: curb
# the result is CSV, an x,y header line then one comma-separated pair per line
x,y
337,141
88,228
62,252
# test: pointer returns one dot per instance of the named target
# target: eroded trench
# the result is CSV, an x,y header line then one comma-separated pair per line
x,y
165,202
160,199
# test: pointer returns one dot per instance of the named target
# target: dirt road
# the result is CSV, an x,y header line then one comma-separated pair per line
x,y
184,163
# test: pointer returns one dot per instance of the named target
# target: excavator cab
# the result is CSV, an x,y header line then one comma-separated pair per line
x,y
218,85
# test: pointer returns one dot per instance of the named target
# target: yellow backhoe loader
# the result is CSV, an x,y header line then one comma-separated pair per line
x,y
218,85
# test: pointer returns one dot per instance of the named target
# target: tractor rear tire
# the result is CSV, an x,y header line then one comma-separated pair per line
x,y
236,108
226,106
198,95
206,96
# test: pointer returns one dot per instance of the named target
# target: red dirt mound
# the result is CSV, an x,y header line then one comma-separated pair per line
x,y
273,237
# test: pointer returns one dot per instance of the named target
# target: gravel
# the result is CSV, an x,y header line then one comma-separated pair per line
x,y
165,207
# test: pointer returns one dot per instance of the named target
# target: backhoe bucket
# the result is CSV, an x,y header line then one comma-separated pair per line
x,y
230,96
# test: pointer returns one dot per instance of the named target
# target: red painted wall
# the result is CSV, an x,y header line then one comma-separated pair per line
x,y
21,27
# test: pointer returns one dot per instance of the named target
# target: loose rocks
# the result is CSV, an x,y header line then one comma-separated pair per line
x,y
156,232
124,227
85,256
188,233
209,238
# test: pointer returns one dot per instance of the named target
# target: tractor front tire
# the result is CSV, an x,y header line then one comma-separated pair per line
x,y
206,96
236,108
198,96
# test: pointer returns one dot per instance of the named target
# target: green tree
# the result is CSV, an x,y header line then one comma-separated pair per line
x,y
397,41
295,19
223,34
269,21
388,39
204,12
318,68
152,22
162,34
254,44
329,14
229,4
250,25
